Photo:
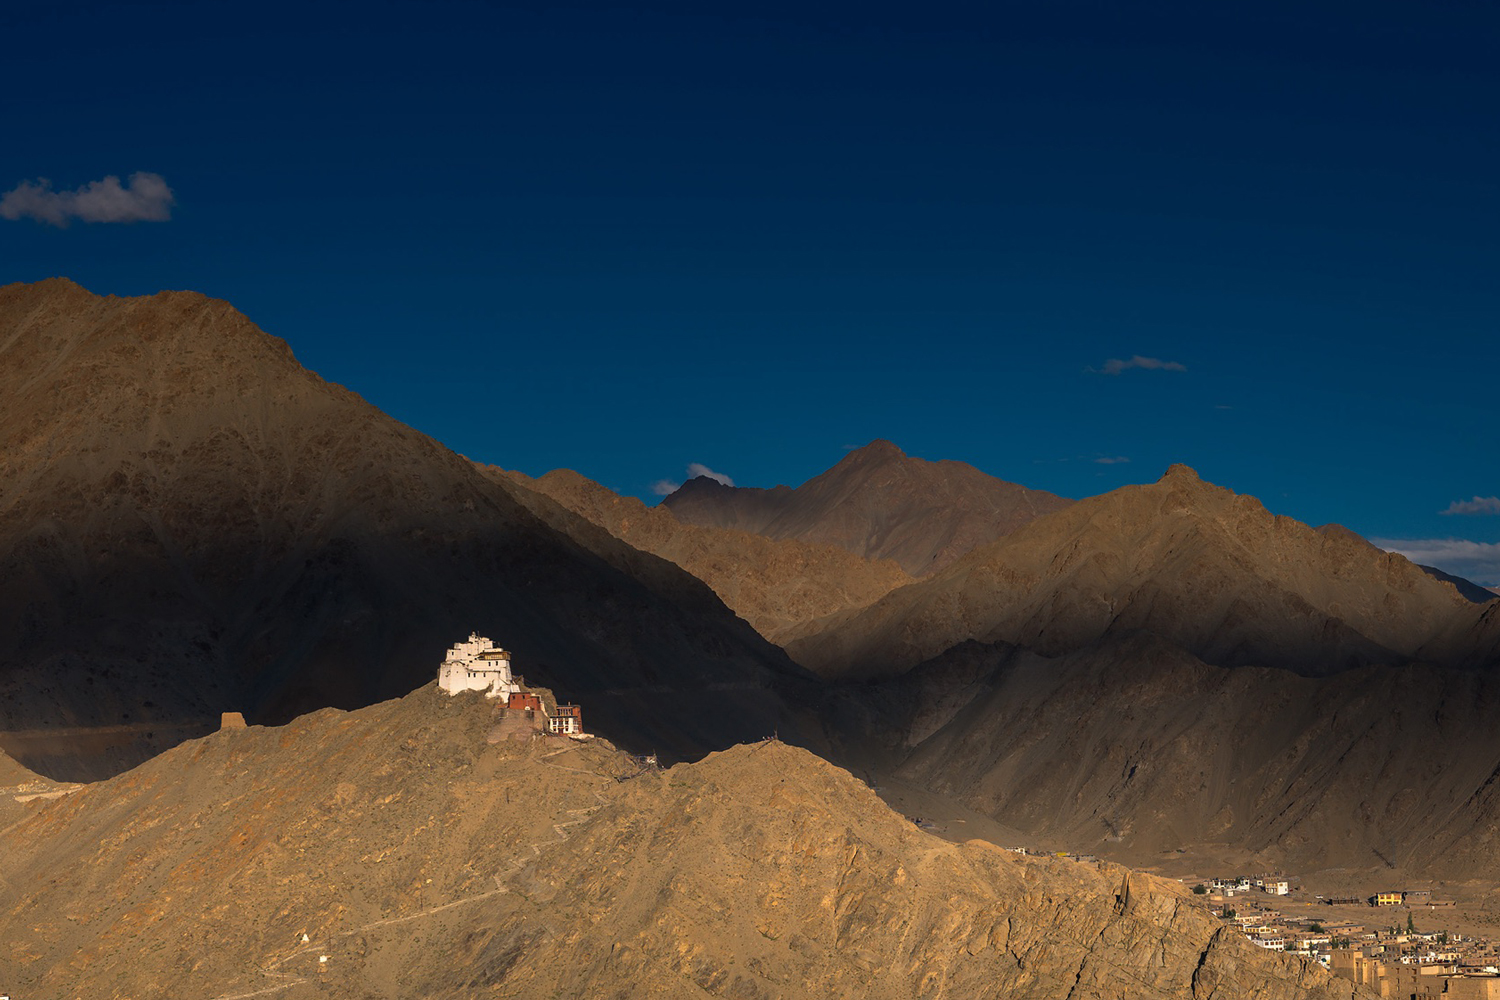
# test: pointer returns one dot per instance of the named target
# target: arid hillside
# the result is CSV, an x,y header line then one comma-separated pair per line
x,y
191,522
1134,748
418,859
774,585
14,777
878,503
1211,571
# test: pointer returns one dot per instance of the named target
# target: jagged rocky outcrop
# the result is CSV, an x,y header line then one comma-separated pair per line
x,y
418,859
877,502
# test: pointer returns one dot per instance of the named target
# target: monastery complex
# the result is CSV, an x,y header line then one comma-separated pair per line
x,y
479,665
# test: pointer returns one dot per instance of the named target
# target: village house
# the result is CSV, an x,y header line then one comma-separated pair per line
x,y
1276,885
568,720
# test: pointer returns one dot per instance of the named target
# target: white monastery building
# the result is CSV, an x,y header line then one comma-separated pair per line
x,y
478,665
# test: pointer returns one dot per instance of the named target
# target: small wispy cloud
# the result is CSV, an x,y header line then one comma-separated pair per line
x,y
1117,460
665,487
144,197
1477,561
1114,366
1479,505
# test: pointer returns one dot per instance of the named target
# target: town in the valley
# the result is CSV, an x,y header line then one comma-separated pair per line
x,y
1398,941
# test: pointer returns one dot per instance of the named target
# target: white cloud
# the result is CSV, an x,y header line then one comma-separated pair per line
x,y
1479,505
143,198
696,469
1118,460
1477,561
1115,366
664,487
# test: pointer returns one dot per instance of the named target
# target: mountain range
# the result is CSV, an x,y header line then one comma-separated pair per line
x,y
877,502
192,523
775,585
1210,570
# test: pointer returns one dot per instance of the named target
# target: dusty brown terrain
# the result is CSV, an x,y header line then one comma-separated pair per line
x,y
394,852
773,585
192,523
878,503
17,780
1213,572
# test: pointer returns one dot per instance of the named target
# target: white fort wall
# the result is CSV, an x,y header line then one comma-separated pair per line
x,y
477,665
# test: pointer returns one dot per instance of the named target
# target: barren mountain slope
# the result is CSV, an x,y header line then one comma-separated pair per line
x,y
416,859
773,585
1212,571
1134,748
878,503
191,522
13,774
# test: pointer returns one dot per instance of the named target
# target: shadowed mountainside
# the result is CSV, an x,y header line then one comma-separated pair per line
x,y
878,503
418,859
1134,748
1213,572
773,585
191,522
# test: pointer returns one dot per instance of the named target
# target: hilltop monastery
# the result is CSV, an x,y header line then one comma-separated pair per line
x,y
479,665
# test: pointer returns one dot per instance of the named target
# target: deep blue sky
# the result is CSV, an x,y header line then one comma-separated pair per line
x,y
750,236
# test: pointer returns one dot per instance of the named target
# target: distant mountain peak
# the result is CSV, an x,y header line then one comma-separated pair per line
x,y
877,502
1183,473
703,484
879,448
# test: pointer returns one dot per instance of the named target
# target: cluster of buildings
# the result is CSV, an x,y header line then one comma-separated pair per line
x,y
1394,962
1273,884
1418,967
479,665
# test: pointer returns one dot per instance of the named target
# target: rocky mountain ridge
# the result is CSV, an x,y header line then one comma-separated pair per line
x,y
1211,571
419,859
776,586
877,502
